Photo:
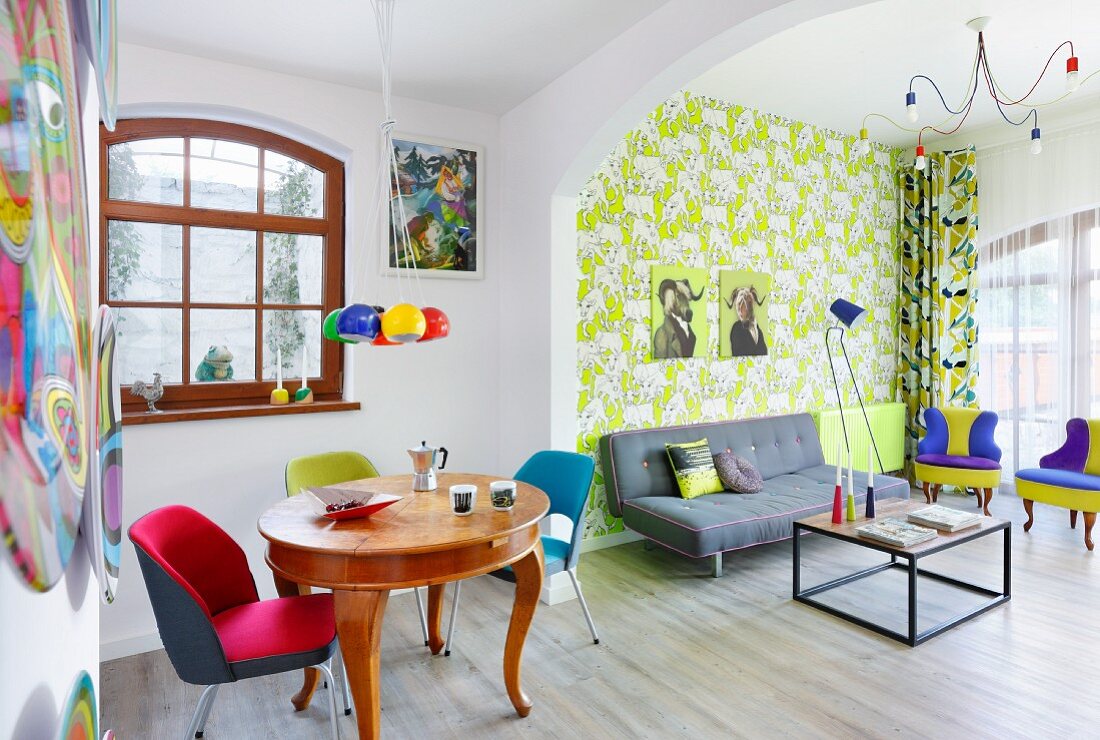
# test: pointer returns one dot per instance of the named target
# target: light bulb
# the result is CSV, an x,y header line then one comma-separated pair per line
x,y
1072,80
1036,141
911,106
920,161
863,147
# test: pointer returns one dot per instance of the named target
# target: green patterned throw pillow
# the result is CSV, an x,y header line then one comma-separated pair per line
x,y
693,466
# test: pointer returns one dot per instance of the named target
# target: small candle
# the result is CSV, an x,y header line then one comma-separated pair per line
x,y
304,366
278,367
839,458
870,467
851,475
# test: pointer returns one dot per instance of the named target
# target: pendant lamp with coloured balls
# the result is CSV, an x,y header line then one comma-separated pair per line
x,y
403,322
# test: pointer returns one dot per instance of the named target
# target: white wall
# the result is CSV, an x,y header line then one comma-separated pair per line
x,y
445,392
46,639
552,143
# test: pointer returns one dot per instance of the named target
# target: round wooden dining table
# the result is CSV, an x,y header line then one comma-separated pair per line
x,y
416,541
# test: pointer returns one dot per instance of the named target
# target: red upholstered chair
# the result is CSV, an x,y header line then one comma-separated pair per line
x,y
214,627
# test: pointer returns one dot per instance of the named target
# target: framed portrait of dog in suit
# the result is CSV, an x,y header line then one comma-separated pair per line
x,y
743,324
678,308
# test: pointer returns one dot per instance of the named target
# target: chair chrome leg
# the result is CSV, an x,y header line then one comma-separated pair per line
x,y
202,711
326,669
454,615
584,607
423,618
717,565
345,687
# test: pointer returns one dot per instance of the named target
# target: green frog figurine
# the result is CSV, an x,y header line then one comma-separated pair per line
x,y
215,365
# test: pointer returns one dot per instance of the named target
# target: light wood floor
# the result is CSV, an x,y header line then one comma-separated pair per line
x,y
686,655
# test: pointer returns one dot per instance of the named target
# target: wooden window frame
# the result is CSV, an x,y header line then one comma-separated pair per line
x,y
194,400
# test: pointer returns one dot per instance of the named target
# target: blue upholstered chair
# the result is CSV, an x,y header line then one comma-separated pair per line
x,y
566,478
213,625
1068,477
958,450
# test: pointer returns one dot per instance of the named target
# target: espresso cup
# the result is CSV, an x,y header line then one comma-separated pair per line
x,y
463,499
503,494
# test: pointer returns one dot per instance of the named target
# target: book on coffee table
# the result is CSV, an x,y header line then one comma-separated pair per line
x,y
943,518
895,532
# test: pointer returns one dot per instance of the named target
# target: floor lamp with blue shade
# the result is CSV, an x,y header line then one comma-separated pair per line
x,y
848,316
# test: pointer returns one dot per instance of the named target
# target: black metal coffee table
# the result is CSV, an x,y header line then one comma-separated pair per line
x,y
845,531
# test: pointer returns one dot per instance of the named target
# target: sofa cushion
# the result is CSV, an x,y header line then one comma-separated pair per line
x,y
693,466
738,474
963,462
729,521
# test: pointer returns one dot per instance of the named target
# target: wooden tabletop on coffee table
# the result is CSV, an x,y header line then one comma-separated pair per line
x,y
898,508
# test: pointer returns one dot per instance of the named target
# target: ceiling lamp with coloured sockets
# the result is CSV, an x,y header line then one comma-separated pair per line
x,y
980,76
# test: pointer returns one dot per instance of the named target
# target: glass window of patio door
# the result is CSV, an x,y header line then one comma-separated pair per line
x,y
1039,333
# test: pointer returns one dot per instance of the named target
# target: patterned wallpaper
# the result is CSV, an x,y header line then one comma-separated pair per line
x,y
705,183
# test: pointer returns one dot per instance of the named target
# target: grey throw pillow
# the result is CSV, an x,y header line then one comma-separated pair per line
x,y
738,474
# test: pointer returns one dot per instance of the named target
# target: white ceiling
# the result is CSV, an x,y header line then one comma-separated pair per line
x,y
833,70
485,55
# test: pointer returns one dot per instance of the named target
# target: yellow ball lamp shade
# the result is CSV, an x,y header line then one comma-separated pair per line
x,y
439,325
404,323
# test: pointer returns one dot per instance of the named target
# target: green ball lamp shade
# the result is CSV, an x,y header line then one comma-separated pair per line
x,y
848,313
329,330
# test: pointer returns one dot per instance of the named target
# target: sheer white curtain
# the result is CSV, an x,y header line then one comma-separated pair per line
x,y
1039,305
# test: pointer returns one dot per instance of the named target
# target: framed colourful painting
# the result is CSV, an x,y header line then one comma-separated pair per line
x,y
437,195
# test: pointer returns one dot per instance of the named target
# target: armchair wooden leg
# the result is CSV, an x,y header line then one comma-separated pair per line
x,y
927,495
1090,519
1073,519
984,501
1028,507
936,492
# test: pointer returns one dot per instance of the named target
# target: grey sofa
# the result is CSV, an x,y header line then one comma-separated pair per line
x,y
785,449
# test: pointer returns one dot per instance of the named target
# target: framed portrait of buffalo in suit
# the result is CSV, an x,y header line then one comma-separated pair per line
x,y
743,324
678,308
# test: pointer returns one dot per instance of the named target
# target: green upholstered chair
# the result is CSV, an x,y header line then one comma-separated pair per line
x,y
958,450
331,468
1068,477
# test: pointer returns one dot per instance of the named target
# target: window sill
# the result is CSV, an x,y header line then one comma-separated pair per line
x,y
130,418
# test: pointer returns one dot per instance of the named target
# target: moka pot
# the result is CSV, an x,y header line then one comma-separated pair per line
x,y
423,458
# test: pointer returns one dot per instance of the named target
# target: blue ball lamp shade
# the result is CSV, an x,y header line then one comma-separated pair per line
x,y
847,313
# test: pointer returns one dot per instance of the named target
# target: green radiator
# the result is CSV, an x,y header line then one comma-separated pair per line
x,y
887,424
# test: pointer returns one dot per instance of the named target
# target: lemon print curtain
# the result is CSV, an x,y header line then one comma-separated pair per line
x,y
939,280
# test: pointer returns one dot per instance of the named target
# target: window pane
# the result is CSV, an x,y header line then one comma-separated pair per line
x,y
223,175
149,171
292,268
223,265
289,330
223,344
1094,342
292,188
148,342
144,261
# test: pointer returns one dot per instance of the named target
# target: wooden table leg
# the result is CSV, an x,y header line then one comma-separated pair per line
x,y
359,627
435,617
529,575
310,675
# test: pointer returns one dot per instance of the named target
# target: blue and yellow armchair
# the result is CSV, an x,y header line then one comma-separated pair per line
x,y
958,450
1068,477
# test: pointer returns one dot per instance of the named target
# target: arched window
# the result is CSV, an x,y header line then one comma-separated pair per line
x,y
221,249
